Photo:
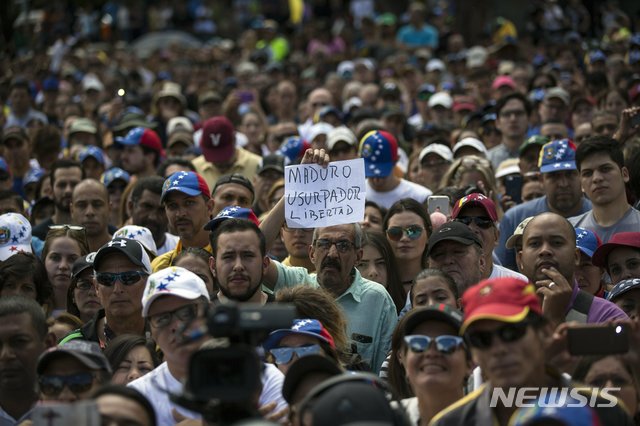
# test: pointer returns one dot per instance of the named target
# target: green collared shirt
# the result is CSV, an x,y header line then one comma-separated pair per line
x,y
371,314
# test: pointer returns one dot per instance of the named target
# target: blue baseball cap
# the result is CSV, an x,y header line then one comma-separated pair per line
x,y
293,149
33,176
114,174
557,155
233,212
307,327
597,55
4,167
379,149
189,183
623,287
91,151
572,414
587,241
144,137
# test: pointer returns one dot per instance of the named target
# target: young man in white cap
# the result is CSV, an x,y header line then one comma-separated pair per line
x,y
172,298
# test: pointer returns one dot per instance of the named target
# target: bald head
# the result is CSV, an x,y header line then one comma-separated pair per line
x,y
548,242
90,207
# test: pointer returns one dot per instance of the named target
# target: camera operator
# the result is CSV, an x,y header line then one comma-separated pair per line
x,y
172,298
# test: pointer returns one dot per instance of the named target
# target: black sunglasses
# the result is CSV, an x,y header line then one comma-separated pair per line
x,y
482,222
77,383
444,344
507,333
127,278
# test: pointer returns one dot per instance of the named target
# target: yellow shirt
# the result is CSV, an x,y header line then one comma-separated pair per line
x,y
166,259
246,164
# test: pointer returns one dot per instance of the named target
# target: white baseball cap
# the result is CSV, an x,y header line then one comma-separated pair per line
x,y
473,143
441,98
318,129
179,123
438,149
139,233
435,64
172,281
15,235
341,134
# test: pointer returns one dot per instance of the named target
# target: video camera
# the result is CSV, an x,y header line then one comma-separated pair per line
x,y
223,381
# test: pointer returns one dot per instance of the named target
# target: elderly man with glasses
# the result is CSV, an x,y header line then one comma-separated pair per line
x,y
121,269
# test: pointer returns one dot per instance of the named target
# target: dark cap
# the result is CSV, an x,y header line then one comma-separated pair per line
x,y
439,312
82,264
218,142
272,162
453,231
14,132
88,353
232,212
236,178
300,369
623,287
352,402
132,249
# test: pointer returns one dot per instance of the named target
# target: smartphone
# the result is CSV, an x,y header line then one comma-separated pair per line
x,y
58,414
598,339
439,203
513,187
635,121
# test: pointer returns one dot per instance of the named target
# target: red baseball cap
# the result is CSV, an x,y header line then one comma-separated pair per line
x,y
476,199
505,299
503,80
621,239
143,137
218,142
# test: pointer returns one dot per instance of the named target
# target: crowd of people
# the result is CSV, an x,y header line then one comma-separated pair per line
x,y
500,243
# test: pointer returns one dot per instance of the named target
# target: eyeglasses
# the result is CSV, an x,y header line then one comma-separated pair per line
x,y
184,314
413,232
67,227
444,344
507,333
84,285
284,354
305,230
108,279
481,222
76,383
342,246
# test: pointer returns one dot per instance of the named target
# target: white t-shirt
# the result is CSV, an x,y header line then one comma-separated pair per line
x,y
157,384
406,189
499,271
170,242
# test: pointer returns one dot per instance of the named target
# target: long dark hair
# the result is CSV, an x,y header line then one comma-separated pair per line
x,y
22,265
410,205
394,285
120,346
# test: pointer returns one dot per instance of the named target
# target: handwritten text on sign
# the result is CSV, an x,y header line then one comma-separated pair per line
x,y
316,196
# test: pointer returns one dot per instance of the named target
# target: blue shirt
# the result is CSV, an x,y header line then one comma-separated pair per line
x,y
426,36
371,313
512,219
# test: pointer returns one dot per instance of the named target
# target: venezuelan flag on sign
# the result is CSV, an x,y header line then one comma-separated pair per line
x,y
296,10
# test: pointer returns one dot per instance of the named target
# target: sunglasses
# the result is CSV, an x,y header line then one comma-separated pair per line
x,y
184,314
481,222
108,279
413,232
445,344
284,354
76,383
507,333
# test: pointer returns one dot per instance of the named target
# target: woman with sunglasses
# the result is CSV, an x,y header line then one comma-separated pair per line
x,y
62,246
305,337
378,264
408,226
434,358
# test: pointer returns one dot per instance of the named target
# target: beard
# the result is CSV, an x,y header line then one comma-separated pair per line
x,y
245,295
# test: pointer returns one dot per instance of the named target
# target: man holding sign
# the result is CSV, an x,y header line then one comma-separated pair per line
x,y
335,250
